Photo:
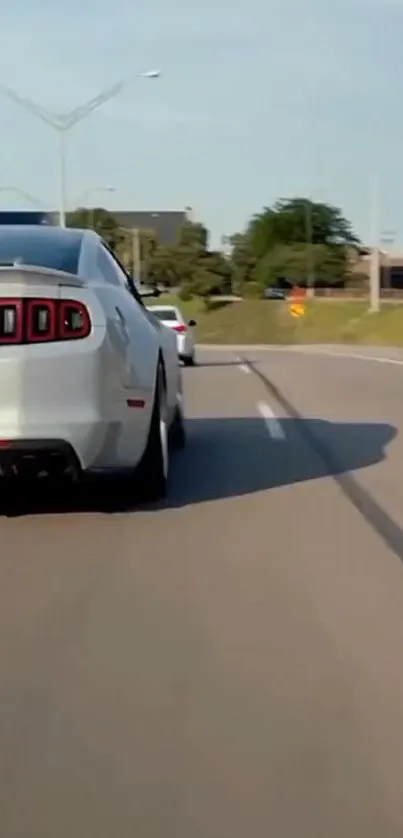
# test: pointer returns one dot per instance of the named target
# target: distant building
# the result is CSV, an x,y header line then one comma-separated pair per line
x,y
391,265
166,224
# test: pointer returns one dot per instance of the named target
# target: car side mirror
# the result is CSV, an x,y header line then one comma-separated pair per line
x,y
192,323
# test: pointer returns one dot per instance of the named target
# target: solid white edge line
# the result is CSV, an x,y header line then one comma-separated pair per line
x,y
304,350
272,424
354,356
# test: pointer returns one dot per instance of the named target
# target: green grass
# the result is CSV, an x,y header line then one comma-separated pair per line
x,y
264,321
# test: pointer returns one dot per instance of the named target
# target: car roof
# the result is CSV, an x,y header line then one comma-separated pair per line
x,y
164,308
41,231
172,310
47,231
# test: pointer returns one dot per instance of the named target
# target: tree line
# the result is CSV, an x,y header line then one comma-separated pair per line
x,y
295,242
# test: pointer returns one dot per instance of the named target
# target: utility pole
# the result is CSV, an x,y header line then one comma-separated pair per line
x,y
145,260
226,249
310,267
374,277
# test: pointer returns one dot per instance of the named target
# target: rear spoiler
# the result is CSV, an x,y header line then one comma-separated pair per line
x,y
15,273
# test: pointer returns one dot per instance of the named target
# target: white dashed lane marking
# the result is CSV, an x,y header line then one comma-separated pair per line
x,y
273,425
242,366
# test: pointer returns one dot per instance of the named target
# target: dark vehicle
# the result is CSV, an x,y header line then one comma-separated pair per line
x,y
26,217
274,294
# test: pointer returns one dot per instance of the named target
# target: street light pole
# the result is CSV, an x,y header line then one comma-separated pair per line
x,y
63,198
64,122
33,200
374,278
26,195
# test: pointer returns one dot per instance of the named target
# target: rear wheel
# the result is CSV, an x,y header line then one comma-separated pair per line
x,y
178,431
189,361
152,473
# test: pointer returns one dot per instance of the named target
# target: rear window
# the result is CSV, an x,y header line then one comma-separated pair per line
x,y
165,314
42,247
26,217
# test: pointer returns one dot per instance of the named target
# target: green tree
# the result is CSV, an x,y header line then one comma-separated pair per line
x,y
203,284
192,245
296,263
204,273
164,267
219,268
297,221
100,220
193,237
243,261
297,239
190,265
147,243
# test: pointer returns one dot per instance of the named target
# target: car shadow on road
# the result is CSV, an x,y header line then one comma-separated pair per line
x,y
200,364
234,457
226,458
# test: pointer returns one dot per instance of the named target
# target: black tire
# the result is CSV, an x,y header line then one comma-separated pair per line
x,y
189,361
178,431
152,473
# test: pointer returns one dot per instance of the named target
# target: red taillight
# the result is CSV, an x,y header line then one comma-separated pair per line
x,y
74,320
11,321
40,320
180,328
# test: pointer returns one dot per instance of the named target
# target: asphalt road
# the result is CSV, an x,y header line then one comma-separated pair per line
x,y
229,664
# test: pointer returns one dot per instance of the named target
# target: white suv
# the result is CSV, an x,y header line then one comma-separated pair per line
x,y
171,317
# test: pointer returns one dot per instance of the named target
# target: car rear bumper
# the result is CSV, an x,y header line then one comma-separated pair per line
x,y
96,444
75,395
37,458
185,347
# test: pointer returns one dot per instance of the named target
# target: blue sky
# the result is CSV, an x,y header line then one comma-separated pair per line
x,y
257,100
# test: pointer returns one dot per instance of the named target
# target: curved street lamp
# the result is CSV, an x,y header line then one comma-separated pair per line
x,y
26,195
64,122
80,202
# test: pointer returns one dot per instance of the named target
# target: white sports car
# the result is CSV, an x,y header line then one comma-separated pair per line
x,y
173,318
89,381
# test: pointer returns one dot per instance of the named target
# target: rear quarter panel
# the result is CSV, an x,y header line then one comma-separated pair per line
x,y
137,343
134,348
